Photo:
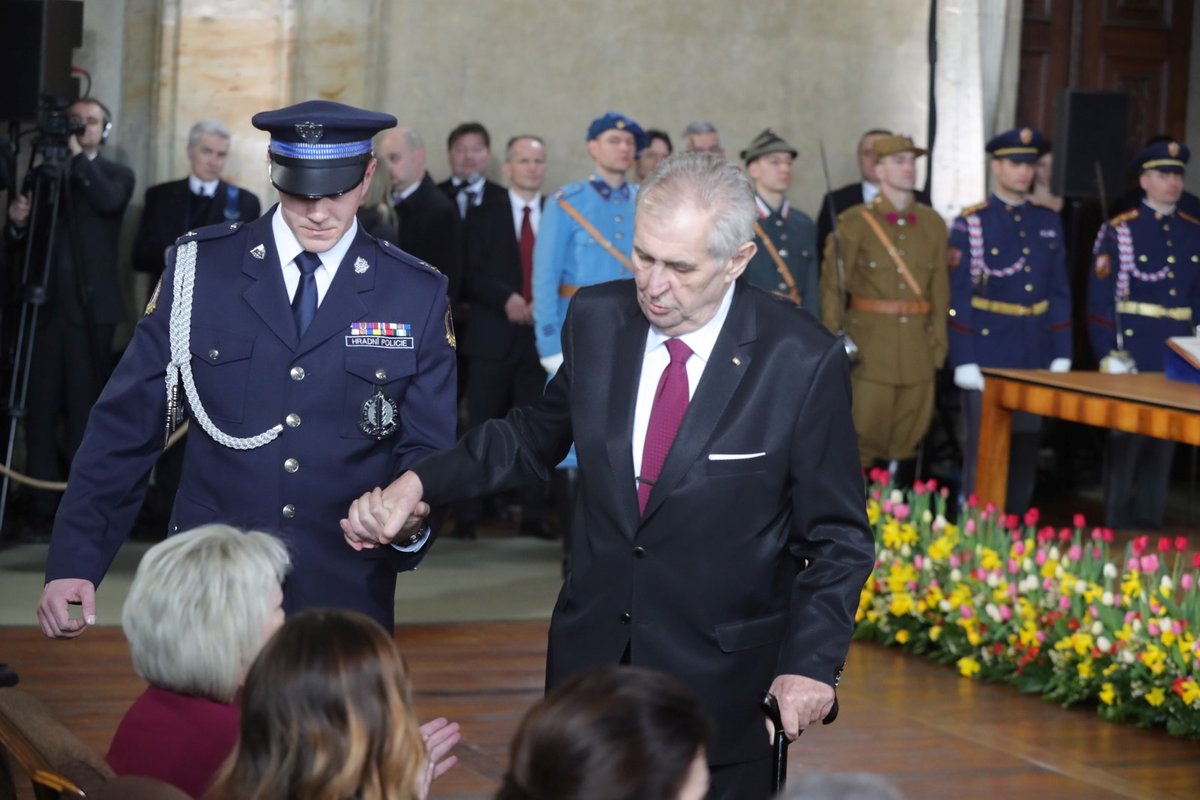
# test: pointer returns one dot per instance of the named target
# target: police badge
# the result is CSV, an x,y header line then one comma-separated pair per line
x,y
380,415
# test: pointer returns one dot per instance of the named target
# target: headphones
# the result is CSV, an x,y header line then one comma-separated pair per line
x,y
106,131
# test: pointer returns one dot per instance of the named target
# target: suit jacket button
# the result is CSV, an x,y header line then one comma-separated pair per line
x,y
292,420
626,618
639,552
214,354
297,373
289,511
291,465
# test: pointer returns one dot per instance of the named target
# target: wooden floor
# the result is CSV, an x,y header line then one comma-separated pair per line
x,y
932,733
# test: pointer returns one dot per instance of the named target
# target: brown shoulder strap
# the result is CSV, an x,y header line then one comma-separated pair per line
x,y
895,254
780,267
595,234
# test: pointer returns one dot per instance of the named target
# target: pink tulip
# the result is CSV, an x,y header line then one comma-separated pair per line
x,y
919,489
955,561
1153,629
1014,566
1040,558
900,510
1149,563
1019,548
1064,602
931,485
970,527
1041,636
876,493
918,561
1097,534
1186,581
1075,553
1005,612
966,611
1047,584
1097,553
1130,616
1176,627
887,506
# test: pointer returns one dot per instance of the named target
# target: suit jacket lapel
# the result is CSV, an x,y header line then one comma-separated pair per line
x,y
629,349
721,379
267,295
341,304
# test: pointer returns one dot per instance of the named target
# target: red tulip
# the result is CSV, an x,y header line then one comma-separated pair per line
x,y
1031,517
1181,543
1079,521
1195,560
1164,544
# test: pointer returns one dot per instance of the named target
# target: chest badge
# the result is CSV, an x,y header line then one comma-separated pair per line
x,y
259,252
379,417
361,265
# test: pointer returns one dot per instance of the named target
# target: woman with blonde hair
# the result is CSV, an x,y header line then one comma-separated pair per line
x,y
327,715
199,609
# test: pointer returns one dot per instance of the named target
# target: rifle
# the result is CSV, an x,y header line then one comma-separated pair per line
x,y
852,351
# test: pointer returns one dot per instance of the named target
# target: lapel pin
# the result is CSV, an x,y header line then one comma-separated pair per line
x,y
259,252
361,265
737,362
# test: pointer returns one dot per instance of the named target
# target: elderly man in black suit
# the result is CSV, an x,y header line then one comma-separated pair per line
x,y
202,198
720,533
72,346
427,222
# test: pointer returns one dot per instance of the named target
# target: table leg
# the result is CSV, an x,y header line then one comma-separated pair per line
x,y
995,438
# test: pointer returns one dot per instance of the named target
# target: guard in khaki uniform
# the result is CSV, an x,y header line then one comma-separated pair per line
x,y
893,305
1144,288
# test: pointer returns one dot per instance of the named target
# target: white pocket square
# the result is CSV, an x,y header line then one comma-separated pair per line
x,y
733,456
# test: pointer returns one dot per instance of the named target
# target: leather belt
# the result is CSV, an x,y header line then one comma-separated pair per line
x,y
1152,310
897,308
567,290
1010,309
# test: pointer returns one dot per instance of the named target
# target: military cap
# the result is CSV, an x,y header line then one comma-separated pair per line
x,y
1165,156
766,142
896,143
619,121
1023,145
320,148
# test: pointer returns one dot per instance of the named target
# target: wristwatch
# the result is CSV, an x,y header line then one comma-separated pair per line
x,y
404,544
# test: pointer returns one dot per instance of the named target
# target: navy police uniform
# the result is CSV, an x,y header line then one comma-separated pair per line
x,y
1010,305
289,428
1145,278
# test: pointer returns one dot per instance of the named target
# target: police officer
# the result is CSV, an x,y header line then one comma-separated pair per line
x,y
893,307
312,359
1010,301
1144,287
786,260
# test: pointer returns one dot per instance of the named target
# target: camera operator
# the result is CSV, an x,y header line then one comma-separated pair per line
x,y
72,344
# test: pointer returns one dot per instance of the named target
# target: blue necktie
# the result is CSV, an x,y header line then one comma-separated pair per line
x,y
304,304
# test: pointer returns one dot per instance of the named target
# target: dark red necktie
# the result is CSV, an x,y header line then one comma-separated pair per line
x,y
526,244
670,404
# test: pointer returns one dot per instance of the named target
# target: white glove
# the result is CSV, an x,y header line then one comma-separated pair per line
x,y
1060,365
968,377
1114,366
551,363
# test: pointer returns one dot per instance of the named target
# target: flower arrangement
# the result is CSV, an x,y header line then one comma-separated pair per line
x,y
1048,611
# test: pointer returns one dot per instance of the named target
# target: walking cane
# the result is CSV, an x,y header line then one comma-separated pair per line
x,y
779,747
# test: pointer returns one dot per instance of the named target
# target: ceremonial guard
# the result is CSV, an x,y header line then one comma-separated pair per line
x,y
313,361
1144,288
786,260
892,305
1010,301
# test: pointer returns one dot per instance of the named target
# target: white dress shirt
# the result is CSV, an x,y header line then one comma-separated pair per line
x,y
206,188
518,208
288,247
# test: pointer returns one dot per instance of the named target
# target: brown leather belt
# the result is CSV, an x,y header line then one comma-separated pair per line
x,y
897,308
567,290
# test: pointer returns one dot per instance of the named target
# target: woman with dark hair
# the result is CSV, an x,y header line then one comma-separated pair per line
x,y
327,715
614,733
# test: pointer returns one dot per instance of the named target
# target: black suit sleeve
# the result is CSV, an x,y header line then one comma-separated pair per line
x,y
483,282
148,249
106,188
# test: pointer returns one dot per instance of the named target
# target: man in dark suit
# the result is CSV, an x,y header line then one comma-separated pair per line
x,y
202,198
469,148
72,346
427,222
503,362
735,559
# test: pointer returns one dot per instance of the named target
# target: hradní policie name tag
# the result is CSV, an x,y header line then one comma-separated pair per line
x,y
386,335
379,415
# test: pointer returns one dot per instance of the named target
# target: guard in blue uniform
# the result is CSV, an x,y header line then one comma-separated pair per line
x,y
1144,284
313,361
1010,301
786,259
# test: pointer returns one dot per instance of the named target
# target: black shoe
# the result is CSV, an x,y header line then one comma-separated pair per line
x,y
539,529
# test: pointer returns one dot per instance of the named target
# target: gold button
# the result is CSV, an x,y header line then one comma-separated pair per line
x,y
995,251
1170,274
292,420
291,465
1025,250
1170,259
1029,287
297,373
1028,268
1129,331
1171,292
381,374
289,511
1143,259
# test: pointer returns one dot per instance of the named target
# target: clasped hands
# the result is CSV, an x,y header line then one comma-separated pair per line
x,y
380,515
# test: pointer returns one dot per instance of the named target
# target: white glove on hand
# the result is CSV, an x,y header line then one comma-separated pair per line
x,y
968,377
551,363
1060,365
1114,366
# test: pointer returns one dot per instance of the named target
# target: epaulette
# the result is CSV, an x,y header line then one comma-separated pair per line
x,y
1124,217
218,231
570,189
1187,216
975,209
393,251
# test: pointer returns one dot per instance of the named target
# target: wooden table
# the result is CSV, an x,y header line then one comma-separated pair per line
x,y
1148,404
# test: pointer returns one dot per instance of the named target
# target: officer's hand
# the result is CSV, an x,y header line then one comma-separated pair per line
x,y
440,737
1060,365
54,611
375,518
18,210
517,310
802,702
968,377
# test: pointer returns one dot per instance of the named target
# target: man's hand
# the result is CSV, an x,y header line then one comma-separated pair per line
x,y
18,210
54,612
381,514
802,702
440,737
517,310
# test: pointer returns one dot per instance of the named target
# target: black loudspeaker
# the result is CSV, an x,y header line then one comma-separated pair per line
x,y
1093,128
36,40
